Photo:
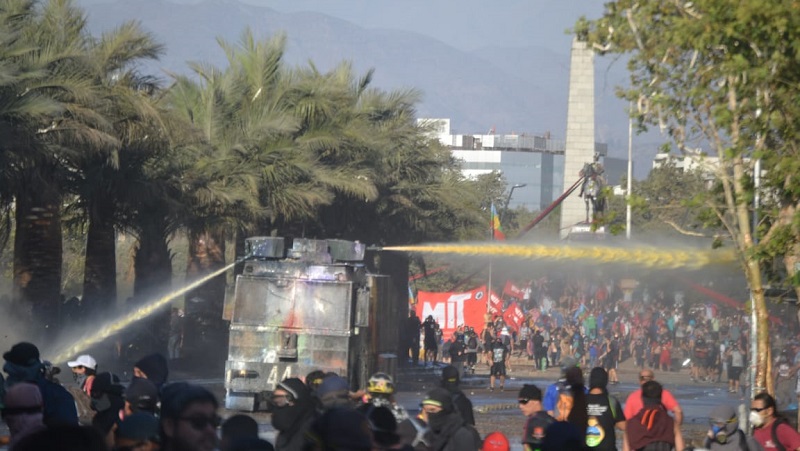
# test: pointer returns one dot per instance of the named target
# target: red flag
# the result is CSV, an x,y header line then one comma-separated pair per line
x,y
451,310
495,305
513,290
513,316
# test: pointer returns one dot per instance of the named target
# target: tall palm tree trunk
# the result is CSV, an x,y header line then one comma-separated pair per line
x,y
100,267
38,250
152,266
152,263
205,328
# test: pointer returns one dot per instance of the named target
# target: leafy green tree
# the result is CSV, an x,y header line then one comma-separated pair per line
x,y
669,202
720,79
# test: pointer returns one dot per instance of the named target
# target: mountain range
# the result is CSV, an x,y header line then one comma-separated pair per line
x,y
507,89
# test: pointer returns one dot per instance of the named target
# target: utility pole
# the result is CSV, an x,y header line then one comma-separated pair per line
x,y
630,176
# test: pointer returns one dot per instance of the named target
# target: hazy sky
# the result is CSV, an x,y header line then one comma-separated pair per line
x,y
477,25
464,24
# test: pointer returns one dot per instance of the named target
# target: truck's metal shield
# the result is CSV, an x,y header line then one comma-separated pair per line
x,y
312,305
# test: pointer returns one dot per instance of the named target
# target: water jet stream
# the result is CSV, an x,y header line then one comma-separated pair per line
x,y
142,312
645,256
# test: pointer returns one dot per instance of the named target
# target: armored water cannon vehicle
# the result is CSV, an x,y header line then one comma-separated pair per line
x,y
311,306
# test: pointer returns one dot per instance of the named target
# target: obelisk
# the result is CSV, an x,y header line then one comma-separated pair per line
x,y
580,130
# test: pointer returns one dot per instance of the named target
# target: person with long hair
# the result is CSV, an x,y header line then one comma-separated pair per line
x,y
577,414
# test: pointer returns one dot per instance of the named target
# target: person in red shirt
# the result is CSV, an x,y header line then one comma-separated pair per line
x,y
652,427
764,419
634,402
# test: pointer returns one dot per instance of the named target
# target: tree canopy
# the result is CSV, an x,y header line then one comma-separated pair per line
x,y
720,79
93,146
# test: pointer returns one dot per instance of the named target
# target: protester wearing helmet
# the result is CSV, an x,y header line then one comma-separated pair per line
x,y
724,432
496,441
380,393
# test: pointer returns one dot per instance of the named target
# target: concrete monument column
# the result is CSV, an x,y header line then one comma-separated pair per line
x,y
580,131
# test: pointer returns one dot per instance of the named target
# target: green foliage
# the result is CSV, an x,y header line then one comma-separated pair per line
x,y
719,77
722,78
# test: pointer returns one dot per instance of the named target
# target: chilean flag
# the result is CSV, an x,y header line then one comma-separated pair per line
x,y
497,229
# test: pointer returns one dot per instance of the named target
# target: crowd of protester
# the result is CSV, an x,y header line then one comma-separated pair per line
x,y
573,324
321,412
598,324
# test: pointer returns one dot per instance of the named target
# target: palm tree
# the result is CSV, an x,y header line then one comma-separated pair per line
x,y
421,193
104,176
234,112
44,110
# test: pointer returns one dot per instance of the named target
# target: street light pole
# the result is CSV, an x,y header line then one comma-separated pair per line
x,y
508,199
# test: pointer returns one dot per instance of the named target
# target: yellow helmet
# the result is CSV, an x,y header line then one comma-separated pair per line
x,y
381,383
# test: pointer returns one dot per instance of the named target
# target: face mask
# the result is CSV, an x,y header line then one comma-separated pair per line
x,y
436,421
285,417
755,419
101,404
79,378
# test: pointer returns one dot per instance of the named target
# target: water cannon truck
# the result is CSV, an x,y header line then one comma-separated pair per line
x,y
311,306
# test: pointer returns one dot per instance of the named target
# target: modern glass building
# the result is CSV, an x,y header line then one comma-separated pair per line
x,y
536,161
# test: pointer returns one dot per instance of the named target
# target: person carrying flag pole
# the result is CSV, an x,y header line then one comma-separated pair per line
x,y
496,235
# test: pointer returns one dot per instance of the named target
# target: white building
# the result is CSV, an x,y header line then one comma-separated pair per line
x,y
536,161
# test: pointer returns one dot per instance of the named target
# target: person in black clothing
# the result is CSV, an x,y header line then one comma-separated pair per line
x,y
340,429
23,365
605,413
537,422
498,369
293,411
488,338
450,382
384,428
458,353
472,349
107,401
152,367
431,341
189,419
413,325
539,351
447,431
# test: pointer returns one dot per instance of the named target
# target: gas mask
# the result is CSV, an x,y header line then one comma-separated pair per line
x,y
756,419
720,434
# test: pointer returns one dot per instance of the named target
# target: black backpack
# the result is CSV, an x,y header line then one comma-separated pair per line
x,y
774,430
